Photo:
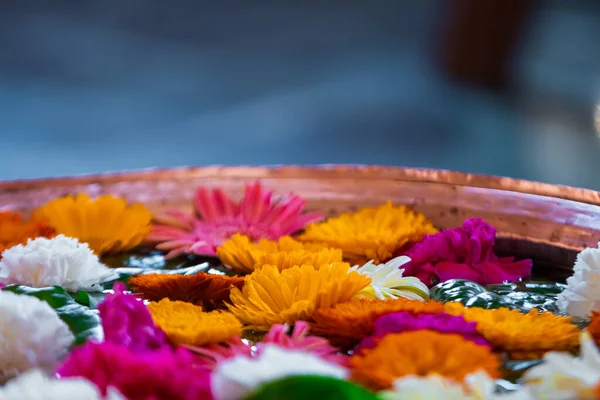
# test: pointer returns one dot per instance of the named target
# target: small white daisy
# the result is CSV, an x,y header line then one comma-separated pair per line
x,y
563,376
61,261
388,282
31,335
582,295
235,378
35,385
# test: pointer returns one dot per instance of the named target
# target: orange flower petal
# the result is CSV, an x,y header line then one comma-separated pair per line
x,y
421,353
202,289
14,230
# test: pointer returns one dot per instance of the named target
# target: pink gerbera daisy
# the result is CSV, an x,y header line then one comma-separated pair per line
x,y
280,335
258,215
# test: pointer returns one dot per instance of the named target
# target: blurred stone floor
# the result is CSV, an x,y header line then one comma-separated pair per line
x,y
90,87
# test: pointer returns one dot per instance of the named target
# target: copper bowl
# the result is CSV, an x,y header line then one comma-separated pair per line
x,y
548,223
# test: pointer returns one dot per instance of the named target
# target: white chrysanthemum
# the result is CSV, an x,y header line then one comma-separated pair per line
x,y
582,294
388,282
35,385
31,335
239,376
562,376
61,261
478,386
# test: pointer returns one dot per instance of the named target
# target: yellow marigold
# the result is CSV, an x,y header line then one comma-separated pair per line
x,y
271,296
523,336
244,256
370,233
107,224
421,353
594,328
202,289
185,323
14,230
347,323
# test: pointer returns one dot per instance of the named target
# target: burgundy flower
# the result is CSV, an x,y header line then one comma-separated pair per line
x,y
466,252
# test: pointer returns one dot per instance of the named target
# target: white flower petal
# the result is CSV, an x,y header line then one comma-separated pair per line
x,y
562,376
31,335
35,385
387,281
61,261
239,376
582,295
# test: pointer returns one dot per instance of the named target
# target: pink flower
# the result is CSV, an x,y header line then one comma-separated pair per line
x,y
160,375
257,215
405,321
298,339
466,252
127,321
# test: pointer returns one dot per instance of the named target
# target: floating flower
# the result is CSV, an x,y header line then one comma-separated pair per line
x,y
562,376
298,339
466,252
478,386
35,385
348,323
372,233
235,378
61,261
270,296
14,230
406,321
185,323
388,282
279,335
127,321
159,375
523,336
107,224
257,216
31,335
244,256
582,295
207,290
594,327
421,353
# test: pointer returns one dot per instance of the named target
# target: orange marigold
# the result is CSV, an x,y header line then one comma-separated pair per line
x,y
594,328
242,255
347,323
185,323
421,353
371,233
107,224
14,230
207,290
523,336
271,296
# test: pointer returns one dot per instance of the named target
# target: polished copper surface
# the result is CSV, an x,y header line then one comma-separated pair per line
x,y
549,223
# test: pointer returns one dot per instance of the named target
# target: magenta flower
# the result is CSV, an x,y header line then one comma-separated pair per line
x,y
298,339
127,321
159,375
257,216
466,252
405,321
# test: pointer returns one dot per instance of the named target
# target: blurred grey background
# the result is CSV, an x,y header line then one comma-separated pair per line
x,y
95,86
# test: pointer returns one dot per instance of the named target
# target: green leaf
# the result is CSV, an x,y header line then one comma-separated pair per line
x,y
311,388
83,298
83,322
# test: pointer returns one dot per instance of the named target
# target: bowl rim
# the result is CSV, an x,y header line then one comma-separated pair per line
x,y
329,171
